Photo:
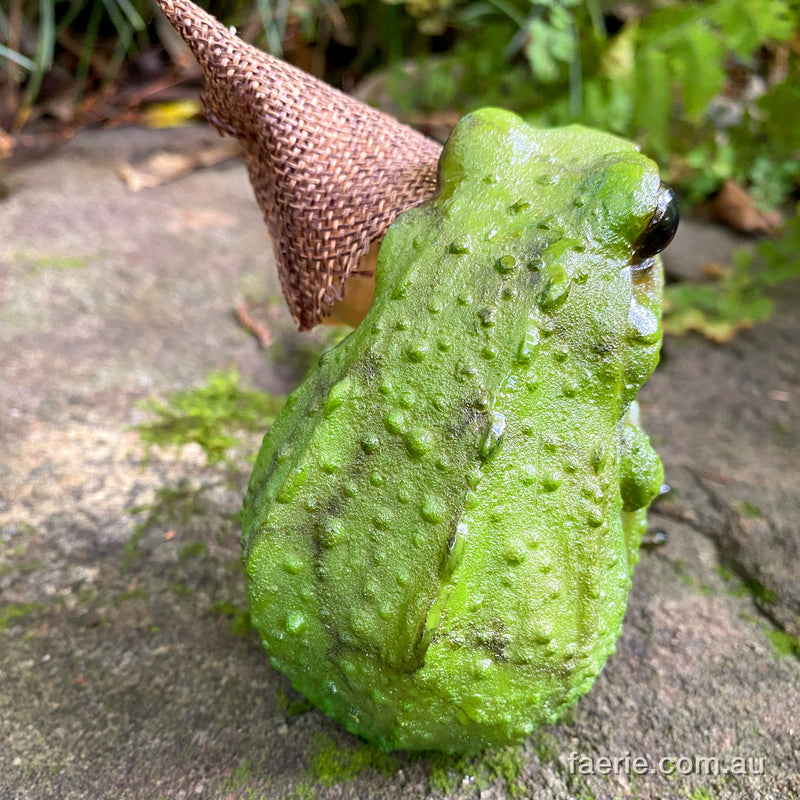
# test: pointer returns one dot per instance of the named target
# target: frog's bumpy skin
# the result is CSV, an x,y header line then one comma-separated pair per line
x,y
329,173
441,527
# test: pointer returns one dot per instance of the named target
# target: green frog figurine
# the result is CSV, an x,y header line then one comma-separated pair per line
x,y
442,524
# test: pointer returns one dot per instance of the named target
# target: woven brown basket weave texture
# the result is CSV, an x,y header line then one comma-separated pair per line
x,y
329,173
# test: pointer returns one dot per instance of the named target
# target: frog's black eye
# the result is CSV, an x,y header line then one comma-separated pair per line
x,y
661,228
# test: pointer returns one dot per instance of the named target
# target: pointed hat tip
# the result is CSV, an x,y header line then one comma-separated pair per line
x,y
329,172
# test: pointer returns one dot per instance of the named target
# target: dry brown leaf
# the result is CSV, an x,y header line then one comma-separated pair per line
x,y
163,167
734,207
713,270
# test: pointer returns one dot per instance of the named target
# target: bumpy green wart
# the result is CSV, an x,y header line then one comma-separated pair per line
x,y
441,526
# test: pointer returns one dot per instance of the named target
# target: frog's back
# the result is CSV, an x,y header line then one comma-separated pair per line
x,y
432,531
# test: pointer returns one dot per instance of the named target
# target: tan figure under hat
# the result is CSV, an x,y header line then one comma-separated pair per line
x,y
329,173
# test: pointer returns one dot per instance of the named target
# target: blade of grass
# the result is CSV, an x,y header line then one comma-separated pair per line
x,y
17,58
43,59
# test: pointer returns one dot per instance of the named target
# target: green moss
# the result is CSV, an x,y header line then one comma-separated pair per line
x,y
333,763
749,510
546,746
304,791
63,263
239,618
289,707
448,773
181,590
213,416
12,614
242,772
132,552
784,644
760,592
746,585
135,594
679,567
194,549
32,565
701,794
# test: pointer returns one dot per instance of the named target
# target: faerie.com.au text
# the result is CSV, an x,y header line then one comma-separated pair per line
x,y
580,764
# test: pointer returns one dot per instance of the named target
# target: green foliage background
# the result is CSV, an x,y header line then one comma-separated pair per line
x,y
709,88
656,72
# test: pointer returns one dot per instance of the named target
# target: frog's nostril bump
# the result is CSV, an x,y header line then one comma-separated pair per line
x,y
661,228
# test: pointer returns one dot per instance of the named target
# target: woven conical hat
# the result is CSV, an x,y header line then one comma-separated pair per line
x,y
329,172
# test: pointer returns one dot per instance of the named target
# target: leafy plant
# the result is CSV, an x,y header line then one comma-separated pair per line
x,y
740,297
659,77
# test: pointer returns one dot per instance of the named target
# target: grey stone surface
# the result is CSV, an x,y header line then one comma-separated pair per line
x,y
121,675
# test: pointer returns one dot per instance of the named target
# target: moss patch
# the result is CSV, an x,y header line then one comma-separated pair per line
x,y
213,416
239,618
289,707
784,644
448,773
333,763
11,615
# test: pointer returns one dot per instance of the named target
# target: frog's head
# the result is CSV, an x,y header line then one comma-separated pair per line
x,y
588,189
584,211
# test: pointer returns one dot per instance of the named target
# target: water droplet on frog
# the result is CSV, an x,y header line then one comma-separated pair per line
x,y
644,325
561,353
514,553
529,345
527,474
350,489
376,479
505,264
519,207
487,316
594,517
555,285
444,344
329,467
402,325
382,519
457,548
394,422
386,387
295,622
551,482
283,454
494,435
489,353
370,443
406,399
440,401
359,622
415,353
464,299
570,388
418,442
331,533
433,509
292,484
458,248
293,565
435,306
508,293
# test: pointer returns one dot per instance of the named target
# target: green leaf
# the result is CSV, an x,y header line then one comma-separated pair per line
x,y
653,98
